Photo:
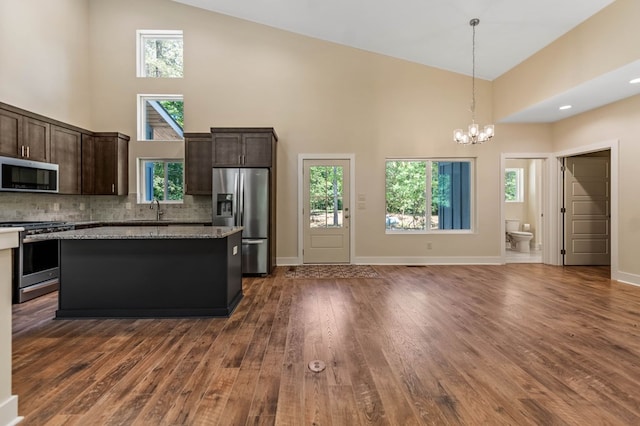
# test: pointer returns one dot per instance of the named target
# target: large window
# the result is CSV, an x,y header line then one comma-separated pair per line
x,y
428,195
160,117
161,179
513,185
159,53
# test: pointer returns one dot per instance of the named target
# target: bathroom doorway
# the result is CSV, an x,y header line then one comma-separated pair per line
x,y
524,203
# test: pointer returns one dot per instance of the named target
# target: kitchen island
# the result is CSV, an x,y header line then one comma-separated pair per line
x,y
149,271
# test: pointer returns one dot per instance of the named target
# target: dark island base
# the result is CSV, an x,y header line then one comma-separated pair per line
x,y
133,278
149,313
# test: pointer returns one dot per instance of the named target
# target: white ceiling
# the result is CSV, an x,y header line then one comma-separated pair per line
x,y
437,33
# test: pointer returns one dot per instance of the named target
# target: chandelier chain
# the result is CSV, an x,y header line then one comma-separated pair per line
x,y
473,72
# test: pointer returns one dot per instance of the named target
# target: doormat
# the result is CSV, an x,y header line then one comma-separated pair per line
x,y
331,271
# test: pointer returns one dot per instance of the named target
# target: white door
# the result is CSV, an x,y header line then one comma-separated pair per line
x,y
587,216
326,211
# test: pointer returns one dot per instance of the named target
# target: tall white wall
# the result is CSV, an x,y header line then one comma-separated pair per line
x,y
321,98
44,47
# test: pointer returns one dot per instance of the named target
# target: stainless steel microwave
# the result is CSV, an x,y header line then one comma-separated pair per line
x,y
27,176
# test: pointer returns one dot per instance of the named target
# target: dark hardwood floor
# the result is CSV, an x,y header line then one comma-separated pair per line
x,y
514,344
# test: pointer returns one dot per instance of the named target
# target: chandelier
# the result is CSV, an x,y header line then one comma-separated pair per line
x,y
474,135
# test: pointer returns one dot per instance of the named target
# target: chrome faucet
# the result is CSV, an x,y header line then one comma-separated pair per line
x,y
158,211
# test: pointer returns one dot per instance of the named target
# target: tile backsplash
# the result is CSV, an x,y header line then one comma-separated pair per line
x,y
22,206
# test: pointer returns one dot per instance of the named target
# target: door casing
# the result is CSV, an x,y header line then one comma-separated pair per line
x,y
556,178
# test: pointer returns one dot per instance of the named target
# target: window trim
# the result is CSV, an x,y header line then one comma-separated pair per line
x,y
141,35
141,113
519,171
141,179
472,197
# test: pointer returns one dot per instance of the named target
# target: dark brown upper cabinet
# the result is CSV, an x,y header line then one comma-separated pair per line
x,y
36,139
105,164
198,161
243,147
23,136
89,163
66,151
10,133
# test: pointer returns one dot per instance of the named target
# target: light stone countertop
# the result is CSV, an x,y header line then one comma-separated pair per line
x,y
140,233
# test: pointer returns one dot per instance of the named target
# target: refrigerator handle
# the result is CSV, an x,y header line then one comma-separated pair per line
x,y
236,201
240,221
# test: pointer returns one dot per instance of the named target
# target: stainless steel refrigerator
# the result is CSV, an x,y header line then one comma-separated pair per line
x,y
241,198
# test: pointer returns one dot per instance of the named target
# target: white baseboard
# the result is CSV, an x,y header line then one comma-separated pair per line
x,y
429,260
412,260
288,261
626,278
9,412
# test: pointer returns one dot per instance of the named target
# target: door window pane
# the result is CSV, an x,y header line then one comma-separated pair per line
x,y
325,196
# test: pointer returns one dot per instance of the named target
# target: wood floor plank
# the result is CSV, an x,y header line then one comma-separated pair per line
x,y
211,406
236,410
458,345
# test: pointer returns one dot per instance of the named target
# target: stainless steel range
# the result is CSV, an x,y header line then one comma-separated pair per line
x,y
35,263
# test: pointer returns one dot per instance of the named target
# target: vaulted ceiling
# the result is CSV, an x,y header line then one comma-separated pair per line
x,y
437,33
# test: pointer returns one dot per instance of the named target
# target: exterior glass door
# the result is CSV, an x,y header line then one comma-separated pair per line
x,y
326,214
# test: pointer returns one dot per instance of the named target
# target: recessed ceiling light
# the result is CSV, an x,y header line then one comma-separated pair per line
x,y
563,107
635,81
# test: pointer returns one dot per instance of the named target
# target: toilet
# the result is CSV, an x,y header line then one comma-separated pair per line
x,y
520,241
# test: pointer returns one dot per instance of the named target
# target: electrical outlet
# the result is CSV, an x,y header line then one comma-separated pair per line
x,y
56,207
127,206
429,245
82,206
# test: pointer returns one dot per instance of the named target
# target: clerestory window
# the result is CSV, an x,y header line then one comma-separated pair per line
x,y
159,54
160,118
